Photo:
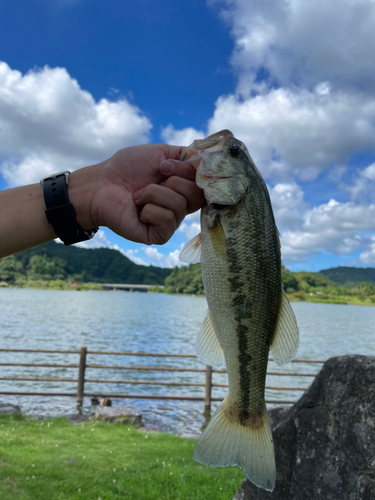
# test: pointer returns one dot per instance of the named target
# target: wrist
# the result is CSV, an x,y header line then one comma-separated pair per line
x,y
82,188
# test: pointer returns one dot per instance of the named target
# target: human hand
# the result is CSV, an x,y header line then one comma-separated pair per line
x,y
139,197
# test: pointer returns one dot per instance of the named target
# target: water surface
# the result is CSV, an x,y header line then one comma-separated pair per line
x,y
123,321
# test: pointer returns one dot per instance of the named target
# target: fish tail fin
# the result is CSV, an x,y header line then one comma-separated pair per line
x,y
227,442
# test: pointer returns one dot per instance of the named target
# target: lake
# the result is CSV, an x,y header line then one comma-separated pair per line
x,y
157,323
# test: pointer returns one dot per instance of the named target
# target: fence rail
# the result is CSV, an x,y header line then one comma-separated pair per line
x,y
82,366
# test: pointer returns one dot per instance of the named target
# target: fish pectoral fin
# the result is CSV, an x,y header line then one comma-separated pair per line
x,y
208,347
227,442
191,253
285,343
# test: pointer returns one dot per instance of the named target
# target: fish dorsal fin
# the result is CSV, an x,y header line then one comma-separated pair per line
x,y
207,346
285,343
191,253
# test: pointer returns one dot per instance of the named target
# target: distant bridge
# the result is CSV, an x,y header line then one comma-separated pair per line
x,y
131,288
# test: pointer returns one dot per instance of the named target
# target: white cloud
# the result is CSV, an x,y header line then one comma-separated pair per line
x,y
336,227
304,43
288,205
367,257
48,123
131,255
98,241
190,230
153,254
172,260
363,184
101,241
182,137
194,217
299,132
161,260
369,172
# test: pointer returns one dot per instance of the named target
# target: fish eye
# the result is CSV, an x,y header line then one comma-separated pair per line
x,y
235,150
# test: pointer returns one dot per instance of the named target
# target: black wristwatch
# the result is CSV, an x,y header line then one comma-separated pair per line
x,y
60,212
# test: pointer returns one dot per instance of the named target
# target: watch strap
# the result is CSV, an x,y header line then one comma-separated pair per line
x,y
60,212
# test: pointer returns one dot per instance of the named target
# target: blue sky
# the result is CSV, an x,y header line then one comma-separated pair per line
x,y
80,79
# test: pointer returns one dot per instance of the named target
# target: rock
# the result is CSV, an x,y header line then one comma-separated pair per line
x,y
191,436
325,443
119,414
38,416
78,418
150,428
9,409
277,414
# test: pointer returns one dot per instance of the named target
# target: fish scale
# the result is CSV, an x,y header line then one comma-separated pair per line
x,y
248,282
248,312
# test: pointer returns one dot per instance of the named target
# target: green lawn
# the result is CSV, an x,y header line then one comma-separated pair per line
x,y
55,459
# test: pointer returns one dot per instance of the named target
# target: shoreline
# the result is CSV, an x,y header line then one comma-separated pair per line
x,y
96,287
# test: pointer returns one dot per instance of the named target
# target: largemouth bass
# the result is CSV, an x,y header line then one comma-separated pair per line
x,y
248,311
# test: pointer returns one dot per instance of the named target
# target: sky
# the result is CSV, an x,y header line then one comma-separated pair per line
x,y
294,80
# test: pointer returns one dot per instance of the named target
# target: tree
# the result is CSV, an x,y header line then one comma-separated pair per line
x,y
10,269
41,267
290,282
185,279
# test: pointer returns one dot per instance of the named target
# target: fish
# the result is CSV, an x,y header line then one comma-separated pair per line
x,y
248,311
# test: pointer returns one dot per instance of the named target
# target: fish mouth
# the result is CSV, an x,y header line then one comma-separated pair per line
x,y
213,143
215,177
219,206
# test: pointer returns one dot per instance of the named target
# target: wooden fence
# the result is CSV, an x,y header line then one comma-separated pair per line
x,y
82,366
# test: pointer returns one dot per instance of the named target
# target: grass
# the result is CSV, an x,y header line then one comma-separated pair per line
x,y
332,299
56,460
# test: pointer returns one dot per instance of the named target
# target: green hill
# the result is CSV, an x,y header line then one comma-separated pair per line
x,y
53,261
325,286
350,276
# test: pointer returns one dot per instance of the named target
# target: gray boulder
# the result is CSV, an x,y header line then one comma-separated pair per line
x,y
119,414
325,443
78,418
9,409
151,429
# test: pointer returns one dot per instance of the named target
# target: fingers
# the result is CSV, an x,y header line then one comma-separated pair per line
x,y
177,168
181,178
161,223
164,207
161,196
193,195
172,151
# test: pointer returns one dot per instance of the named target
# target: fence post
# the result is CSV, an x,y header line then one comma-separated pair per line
x,y
81,376
207,398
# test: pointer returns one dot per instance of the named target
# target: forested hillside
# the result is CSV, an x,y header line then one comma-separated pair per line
x,y
53,265
302,286
53,261
349,276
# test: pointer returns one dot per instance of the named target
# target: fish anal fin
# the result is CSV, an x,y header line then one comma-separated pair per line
x,y
208,347
191,253
285,343
226,442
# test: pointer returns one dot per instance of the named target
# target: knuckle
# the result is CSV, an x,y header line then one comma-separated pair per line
x,y
162,239
173,183
170,217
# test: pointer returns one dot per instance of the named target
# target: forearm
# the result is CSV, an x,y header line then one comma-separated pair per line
x,y
23,223
132,193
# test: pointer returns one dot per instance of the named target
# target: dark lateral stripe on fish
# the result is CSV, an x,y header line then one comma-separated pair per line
x,y
242,307
251,409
